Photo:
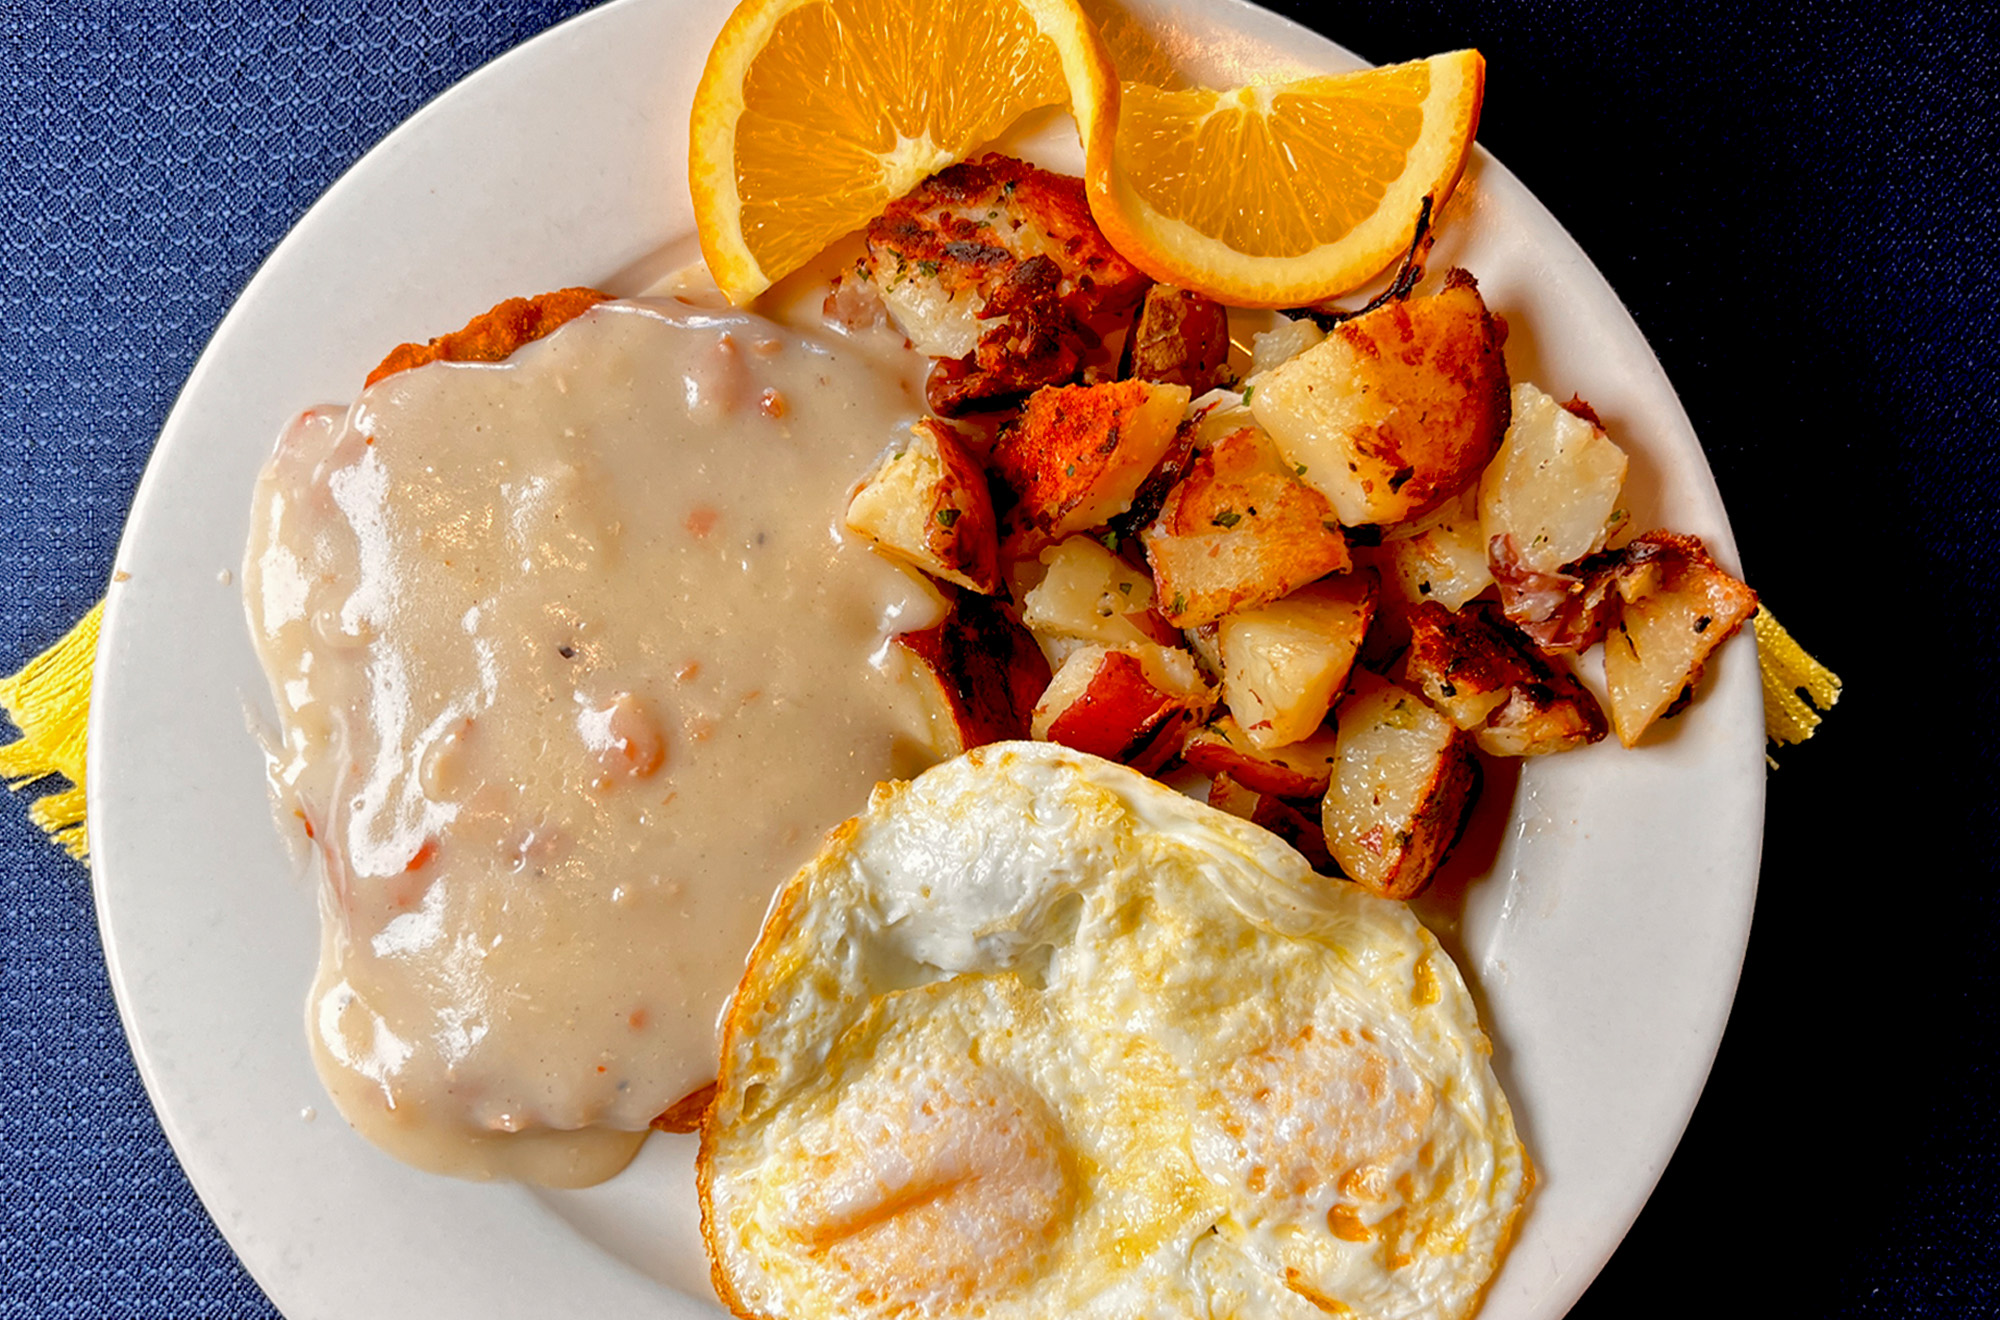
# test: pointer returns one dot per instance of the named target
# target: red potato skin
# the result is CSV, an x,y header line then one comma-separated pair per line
x,y
1121,716
987,666
1294,822
969,540
1210,754
1559,612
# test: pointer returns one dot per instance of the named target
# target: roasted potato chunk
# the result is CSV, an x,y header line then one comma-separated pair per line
x,y
1180,338
1550,495
1239,530
1283,663
1297,824
927,504
998,269
1133,704
1676,607
1089,594
1282,342
1564,611
1299,769
1403,782
1440,557
1396,409
979,673
1489,680
1079,454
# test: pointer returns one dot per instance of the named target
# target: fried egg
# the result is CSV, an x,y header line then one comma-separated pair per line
x,y
1037,1036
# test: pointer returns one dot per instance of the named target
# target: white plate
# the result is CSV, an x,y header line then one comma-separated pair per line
x,y
1604,938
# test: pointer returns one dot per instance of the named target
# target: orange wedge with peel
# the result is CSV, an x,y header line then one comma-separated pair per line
x,y
1285,194
813,115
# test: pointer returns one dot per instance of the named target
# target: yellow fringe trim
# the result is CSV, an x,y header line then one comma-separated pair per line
x,y
1797,688
49,701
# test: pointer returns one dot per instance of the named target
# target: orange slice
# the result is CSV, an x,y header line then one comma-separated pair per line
x,y
812,115
1290,193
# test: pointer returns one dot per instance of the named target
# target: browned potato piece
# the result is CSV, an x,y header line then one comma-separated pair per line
x,y
1678,606
1133,704
1079,453
1284,663
1562,611
980,672
927,504
1297,823
1294,823
1403,782
1440,557
1397,409
1299,769
1550,496
1181,338
1087,593
1239,530
1489,680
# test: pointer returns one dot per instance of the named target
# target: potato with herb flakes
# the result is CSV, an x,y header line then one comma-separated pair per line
x,y
1078,454
977,674
1550,496
1676,606
1440,557
1395,409
1489,680
1134,703
1283,663
927,504
1299,770
1403,781
997,269
1088,594
1241,529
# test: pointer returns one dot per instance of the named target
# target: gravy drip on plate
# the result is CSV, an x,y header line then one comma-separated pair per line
x,y
575,666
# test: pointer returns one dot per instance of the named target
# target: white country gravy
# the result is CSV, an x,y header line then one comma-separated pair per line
x,y
575,665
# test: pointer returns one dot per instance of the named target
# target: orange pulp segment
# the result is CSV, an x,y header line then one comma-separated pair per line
x,y
1285,194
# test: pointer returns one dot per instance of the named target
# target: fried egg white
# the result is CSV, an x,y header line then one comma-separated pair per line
x,y
1036,1036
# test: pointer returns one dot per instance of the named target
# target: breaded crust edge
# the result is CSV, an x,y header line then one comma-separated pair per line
x,y
493,335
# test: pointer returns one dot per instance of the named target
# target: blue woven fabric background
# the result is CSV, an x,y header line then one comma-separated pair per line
x,y
1796,200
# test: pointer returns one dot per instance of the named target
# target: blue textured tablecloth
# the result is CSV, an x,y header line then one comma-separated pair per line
x,y
1797,202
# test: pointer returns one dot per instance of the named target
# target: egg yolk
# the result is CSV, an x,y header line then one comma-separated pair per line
x,y
1326,1118
927,1191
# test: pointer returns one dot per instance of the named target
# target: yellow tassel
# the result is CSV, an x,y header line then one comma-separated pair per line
x,y
49,701
1790,717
